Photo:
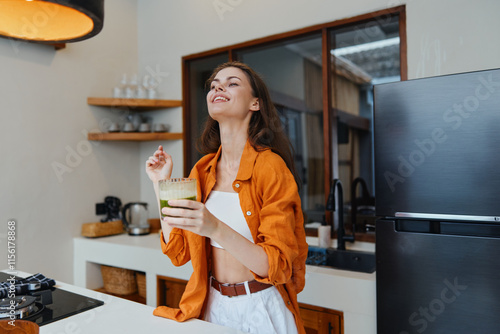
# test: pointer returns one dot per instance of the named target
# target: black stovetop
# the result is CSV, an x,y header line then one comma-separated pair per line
x,y
64,304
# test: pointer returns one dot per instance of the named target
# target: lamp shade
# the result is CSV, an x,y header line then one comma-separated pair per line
x,y
56,21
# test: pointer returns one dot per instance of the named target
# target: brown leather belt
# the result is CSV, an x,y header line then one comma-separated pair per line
x,y
238,289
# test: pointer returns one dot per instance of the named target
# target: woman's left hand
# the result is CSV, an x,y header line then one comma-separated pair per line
x,y
190,215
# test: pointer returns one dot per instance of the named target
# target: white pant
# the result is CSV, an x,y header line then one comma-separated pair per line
x,y
260,312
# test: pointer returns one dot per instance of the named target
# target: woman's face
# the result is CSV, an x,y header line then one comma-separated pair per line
x,y
231,96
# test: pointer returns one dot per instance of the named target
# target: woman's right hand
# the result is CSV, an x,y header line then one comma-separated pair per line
x,y
159,165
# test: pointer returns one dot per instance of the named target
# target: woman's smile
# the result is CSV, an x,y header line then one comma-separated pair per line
x,y
220,98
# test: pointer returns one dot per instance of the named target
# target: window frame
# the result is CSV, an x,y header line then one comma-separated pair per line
x,y
329,119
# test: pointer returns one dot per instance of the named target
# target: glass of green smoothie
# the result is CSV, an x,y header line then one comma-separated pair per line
x,y
176,188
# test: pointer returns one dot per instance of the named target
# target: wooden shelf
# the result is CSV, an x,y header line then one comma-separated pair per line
x,y
137,104
134,136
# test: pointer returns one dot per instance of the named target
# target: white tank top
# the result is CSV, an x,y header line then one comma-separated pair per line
x,y
225,206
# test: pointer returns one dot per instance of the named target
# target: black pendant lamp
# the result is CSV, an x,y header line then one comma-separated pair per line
x,y
56,21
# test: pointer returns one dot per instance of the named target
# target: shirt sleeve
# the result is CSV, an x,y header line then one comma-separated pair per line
x,y
177,248
278,216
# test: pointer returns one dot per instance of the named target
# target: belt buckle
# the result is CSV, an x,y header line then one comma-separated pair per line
x,y
233,287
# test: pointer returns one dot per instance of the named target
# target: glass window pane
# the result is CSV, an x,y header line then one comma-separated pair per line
x,y
292,71
363,54
199,71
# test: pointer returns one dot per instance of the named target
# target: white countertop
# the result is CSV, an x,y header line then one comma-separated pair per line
x,y
352,293
118,315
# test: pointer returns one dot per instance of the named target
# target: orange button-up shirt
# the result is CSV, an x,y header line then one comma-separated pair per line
x,y
270,202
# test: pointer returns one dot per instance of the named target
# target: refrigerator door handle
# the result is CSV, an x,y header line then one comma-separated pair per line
x,y
415,215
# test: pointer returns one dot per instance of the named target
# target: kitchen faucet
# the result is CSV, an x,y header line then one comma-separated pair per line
x,y
365,201
330,206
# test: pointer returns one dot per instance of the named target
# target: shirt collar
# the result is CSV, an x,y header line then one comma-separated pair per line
x,y
247,162
212,165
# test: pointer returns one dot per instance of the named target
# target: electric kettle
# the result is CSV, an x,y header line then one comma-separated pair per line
x,y
135,218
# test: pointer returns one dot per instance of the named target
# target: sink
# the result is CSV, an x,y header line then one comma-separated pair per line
x,y
342,259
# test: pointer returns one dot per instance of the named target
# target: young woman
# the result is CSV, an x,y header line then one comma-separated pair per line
x,y
244,235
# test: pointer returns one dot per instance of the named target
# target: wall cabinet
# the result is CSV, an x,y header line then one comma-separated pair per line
x,y
320,320
135,105
169,291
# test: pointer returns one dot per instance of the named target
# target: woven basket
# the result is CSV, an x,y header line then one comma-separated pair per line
x,y
119,281
141,284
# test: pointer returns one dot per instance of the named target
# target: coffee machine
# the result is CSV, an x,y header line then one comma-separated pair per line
x,y
111,208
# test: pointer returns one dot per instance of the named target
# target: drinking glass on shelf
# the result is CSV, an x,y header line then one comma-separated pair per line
x,y
150,83
119,90
176,188
131,90
141,92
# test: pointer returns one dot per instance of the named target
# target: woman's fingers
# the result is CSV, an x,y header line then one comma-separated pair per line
x,y
189,215
152,159
159,151
158,154
162,157
181,212
165,156
159,165
152,162
181,208
159,157
177,217
185,203
182,223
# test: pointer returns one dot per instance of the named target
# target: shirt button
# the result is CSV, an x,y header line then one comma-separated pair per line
x,y
249,213
237,185
288,302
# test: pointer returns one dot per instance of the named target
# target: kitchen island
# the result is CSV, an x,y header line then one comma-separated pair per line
x,y
350,292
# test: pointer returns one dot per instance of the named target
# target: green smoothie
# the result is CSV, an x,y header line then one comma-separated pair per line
x,y
164,203
178,188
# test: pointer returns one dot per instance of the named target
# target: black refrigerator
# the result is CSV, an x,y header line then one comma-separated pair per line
x,y
437,188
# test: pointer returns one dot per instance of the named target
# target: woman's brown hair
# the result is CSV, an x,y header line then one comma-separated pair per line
x,y
265,129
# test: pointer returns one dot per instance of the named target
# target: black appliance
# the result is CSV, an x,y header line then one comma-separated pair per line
x,y
437,152
51,305
111,208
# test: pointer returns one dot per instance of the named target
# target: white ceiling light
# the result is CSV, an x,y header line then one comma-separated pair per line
x,y
365,47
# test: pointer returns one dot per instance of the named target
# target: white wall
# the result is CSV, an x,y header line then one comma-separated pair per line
x,y
444,36
449,36
43,96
